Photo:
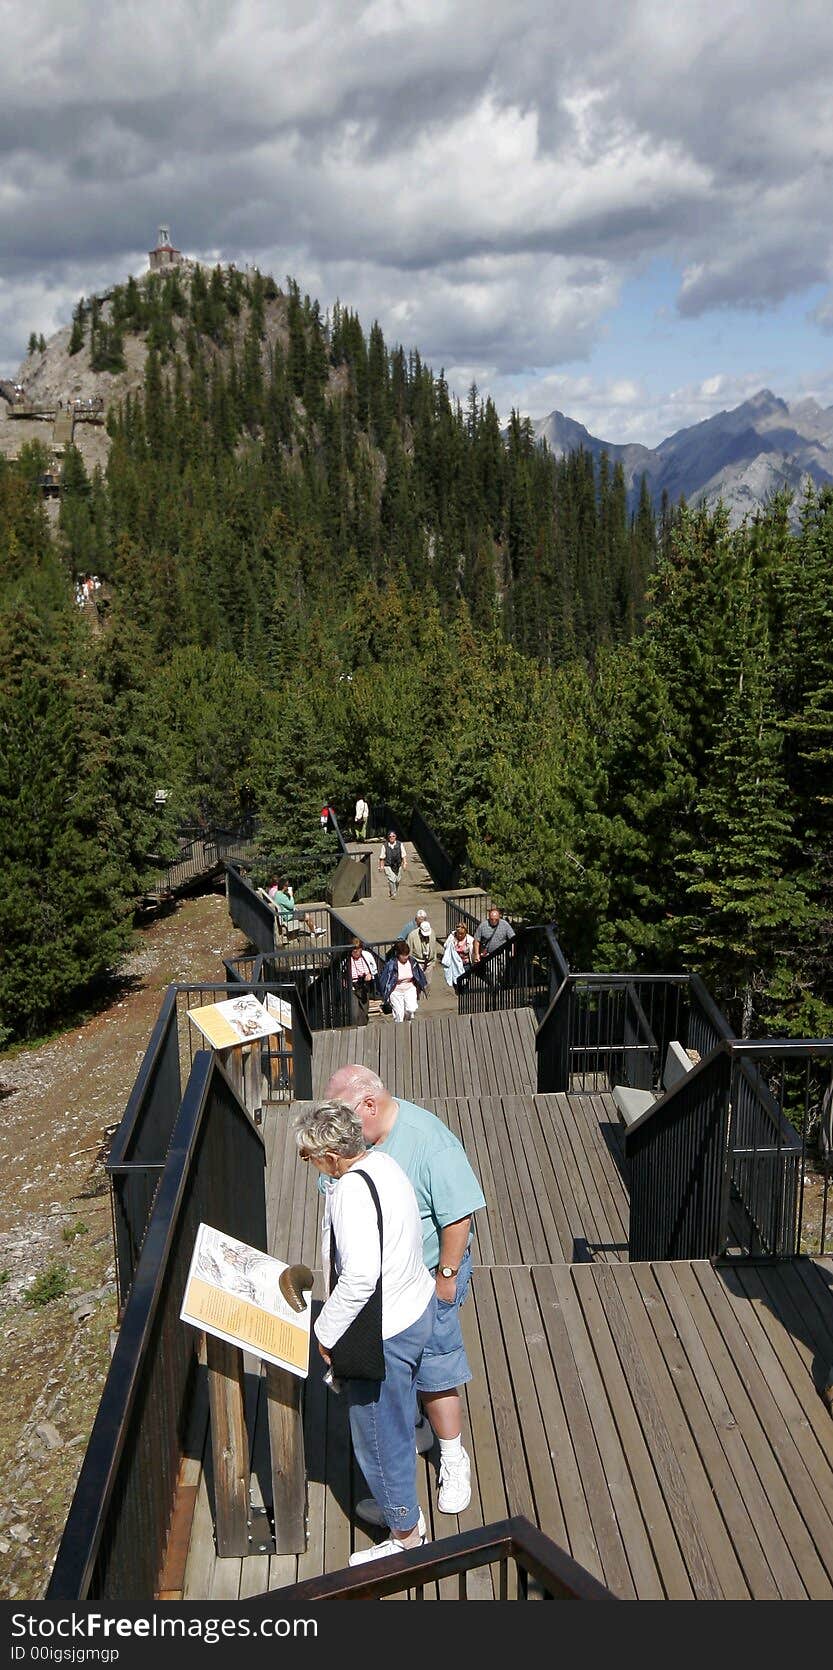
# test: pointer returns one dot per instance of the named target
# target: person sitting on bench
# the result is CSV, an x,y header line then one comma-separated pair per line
x,y
292,921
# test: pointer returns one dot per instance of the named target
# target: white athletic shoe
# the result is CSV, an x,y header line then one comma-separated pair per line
x,y
424,1436
389,1547
455,1485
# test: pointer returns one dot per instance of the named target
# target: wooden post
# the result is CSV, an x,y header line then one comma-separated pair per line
x,y
232,1060
242,1063
286,1442
229,1446
252,1088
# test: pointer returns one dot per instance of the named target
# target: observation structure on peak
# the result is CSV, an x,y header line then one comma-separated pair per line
x,y
164,255
651,1321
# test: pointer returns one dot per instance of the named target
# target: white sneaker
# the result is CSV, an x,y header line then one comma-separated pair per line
x,y
424,1436
381,1550
369,1510
455,1485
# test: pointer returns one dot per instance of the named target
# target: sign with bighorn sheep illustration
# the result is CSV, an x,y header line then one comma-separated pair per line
x,y
241,1295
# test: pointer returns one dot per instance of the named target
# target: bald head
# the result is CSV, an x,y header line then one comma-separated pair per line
x,y
351,1082
363,1091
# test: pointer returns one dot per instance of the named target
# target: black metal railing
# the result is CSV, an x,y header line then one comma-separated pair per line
x,y
678,1168
285,1060
334,825
114,1541
141,1142
321,975
443,870
203,852
606,1029
528,1566
521,974
723,1165
716,1164
249,911
470,908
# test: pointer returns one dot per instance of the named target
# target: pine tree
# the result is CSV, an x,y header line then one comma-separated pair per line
x,y
76,339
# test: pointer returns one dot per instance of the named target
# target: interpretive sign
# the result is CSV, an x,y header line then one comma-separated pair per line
x,y
234,1292
238,1020
280,1010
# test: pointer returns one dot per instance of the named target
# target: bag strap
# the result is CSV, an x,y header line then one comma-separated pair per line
x,y
333,1249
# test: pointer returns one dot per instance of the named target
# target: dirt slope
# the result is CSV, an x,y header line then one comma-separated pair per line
x,y
55,1126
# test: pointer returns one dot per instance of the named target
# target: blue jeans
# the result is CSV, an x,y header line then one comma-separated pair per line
x,y
444,1362
382,1424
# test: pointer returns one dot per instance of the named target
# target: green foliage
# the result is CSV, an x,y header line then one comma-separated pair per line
x,y
51,1284
71,1232
106,346
328,575
76,339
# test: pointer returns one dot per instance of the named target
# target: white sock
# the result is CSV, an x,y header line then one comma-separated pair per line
x,y
451,1449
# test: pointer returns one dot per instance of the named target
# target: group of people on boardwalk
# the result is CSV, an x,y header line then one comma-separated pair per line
x,y
405,976
405,973
398,1221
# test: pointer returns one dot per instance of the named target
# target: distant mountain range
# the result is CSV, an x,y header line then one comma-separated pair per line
x,y
741,457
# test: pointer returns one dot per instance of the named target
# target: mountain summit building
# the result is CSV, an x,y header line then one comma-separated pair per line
x,y
164,255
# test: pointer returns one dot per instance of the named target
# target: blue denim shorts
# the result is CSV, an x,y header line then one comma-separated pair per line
x,y
444,1362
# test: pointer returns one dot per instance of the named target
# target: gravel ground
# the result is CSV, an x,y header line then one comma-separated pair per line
x,y
62,1102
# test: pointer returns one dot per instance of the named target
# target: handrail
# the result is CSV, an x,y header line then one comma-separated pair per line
x,y
114,1538
742,1049
184,868
679,1176
440,866
536,1556
142,1139
557,955
568,1012
153,1063
721,1138
704,998
515,975
248,911
333,824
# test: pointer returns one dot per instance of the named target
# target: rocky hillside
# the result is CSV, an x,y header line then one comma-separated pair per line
x,y
742,456
57,374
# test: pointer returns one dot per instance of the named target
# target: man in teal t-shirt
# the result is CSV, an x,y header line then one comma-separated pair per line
x,y
448,1193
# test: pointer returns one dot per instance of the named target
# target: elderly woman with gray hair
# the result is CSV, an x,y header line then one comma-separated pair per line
x,y
372,1223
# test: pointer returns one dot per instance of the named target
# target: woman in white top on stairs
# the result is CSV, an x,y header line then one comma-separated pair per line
x,y
381,1411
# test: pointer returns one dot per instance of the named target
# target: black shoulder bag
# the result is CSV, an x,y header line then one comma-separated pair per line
x,y
358,1354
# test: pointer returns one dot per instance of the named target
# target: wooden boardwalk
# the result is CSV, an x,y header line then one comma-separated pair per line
x,y
662,1422
440,1055
383,918
658,1421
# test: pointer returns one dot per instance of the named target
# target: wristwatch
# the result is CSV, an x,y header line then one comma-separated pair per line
x,y
447,1271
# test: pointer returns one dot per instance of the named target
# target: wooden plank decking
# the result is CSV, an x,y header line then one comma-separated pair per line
x,y
662,1422
658,1421
443,1055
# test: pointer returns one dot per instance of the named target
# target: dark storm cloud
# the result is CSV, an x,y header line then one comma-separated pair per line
x,y
463,167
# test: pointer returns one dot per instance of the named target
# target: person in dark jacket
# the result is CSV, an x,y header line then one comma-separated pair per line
x,y
402,982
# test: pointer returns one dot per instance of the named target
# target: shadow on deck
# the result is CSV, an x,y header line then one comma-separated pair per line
x,y
661,1422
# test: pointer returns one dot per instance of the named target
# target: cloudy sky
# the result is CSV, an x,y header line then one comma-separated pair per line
x,y
620,208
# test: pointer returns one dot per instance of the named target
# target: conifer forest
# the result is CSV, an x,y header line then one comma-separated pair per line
x,y
325,575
